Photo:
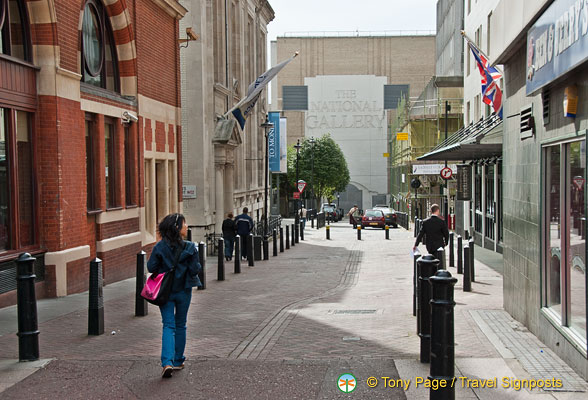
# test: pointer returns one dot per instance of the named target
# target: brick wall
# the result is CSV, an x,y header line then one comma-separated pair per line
x,y
78,275
112,229
119,264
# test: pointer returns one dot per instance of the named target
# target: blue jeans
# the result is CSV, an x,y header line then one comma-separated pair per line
x,y
173,316
229,243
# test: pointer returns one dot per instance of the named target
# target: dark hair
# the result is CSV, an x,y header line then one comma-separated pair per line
x,y
230,215
170,226
245,210
434,208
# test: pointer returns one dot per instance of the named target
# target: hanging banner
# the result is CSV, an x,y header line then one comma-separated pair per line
x,y
283,146
274,142
464,182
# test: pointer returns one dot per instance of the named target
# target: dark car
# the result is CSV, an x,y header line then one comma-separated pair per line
x,y
389,214
330,212
374,219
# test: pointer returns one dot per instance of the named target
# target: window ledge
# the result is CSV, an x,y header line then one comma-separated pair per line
x,y
94,212
114,208
131,206
96,91
11,255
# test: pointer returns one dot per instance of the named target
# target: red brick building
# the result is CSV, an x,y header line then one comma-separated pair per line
x,y
89,136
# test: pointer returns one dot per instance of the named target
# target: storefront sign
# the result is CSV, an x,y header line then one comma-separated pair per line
x,y
274,142
431,169
283,145
557,42
464,182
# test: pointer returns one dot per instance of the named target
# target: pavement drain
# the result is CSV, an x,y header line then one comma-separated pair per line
x,y
354,312
351,338
534,356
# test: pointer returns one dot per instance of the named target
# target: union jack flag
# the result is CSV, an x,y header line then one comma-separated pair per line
x,y
491,93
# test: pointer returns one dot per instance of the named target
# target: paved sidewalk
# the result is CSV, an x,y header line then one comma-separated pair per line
x,y
286,328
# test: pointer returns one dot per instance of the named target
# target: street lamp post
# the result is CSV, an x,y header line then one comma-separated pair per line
x,y
312,141
266,126
296,216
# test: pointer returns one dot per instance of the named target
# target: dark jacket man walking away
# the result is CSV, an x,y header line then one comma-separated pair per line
x,y
435,231
244,226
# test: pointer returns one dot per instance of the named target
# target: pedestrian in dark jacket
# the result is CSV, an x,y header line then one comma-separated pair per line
x,y
435,231
229,232
172,251
244,225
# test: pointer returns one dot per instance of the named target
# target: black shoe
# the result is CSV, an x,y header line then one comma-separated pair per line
x,y
167,371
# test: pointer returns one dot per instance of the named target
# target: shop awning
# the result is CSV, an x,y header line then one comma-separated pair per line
x,y
476,141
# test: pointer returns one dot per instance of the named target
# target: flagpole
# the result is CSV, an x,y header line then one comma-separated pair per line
x,y
242,101
471,42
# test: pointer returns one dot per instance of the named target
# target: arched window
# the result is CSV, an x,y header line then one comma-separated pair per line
x,y
14,39
99,62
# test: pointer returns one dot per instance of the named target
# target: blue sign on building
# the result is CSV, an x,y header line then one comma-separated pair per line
x,y
557,42
274,142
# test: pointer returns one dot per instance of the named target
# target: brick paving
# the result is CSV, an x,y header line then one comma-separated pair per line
x,y
321,308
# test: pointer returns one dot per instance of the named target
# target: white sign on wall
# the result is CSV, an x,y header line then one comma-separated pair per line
x,y
189,192
432,169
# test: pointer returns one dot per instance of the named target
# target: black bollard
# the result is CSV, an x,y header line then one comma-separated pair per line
x,y
459,255
281,239
328,232
467,277
96,303
451,251
467,235
472,260
275,244
442,336
287,237
257,242
583,228
441,257
202,259
358,232
296,231
220,274
250,256
28,332
387,229
189,237
237,254
265,248
301,231
312,222
417,255
426,267
140,303
416,226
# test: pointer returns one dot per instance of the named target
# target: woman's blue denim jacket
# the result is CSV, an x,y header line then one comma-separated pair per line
x,y
162,260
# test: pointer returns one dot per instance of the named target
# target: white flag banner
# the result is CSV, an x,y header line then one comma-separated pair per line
x,y
243,108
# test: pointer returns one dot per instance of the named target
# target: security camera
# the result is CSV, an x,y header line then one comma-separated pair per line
x,y
191,34
128,117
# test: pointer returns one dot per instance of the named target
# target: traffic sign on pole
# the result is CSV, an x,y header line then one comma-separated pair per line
x,y
446,173
301,185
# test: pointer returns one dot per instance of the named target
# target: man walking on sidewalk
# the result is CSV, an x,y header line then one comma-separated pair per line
x,y
244,226
435,231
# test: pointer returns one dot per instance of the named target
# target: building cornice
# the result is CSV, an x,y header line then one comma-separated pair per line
x,y
172,7
266,11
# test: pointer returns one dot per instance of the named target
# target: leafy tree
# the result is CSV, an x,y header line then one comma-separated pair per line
x,y
330,167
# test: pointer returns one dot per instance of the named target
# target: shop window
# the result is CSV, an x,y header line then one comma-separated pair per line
x,y
14,38
129,162
478,198
110,163
564,259
490,216
99,61
17,184
90,164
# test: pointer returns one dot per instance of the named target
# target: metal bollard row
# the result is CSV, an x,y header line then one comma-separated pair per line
x,y
140,303
451,250
202,257
387,229
301,231
220,274
358,232
275,242
281,239
265,248
459,255
417,255
96,301
472,263
287,237
28,332
426,267
328,232
250,258
467,278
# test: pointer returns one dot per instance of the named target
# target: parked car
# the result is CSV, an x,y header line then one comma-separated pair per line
x,y
330,211
389,214
374,219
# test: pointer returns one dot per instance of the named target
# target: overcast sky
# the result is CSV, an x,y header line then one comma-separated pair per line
x,y
351,15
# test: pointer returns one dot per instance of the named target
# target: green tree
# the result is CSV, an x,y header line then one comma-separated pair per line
x,y
331,174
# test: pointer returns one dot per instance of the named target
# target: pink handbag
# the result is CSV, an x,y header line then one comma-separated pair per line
x,y
158,287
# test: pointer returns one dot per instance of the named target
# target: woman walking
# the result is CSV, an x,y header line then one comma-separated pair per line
x,y
173,252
